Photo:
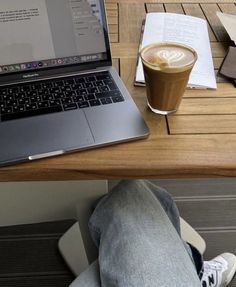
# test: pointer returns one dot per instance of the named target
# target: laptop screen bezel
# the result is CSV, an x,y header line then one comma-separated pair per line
x,y
42,73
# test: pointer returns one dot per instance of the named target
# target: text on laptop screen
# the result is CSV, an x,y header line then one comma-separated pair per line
x,y
37,34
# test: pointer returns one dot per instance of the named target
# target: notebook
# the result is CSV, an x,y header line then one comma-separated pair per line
x,y
58,90
183,29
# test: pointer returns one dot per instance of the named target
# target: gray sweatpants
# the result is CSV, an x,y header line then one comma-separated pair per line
x,y
136,228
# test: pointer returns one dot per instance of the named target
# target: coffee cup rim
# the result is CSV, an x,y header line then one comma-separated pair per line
x,y
172,69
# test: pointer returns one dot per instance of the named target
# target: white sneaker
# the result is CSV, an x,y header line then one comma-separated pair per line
x,y
219,271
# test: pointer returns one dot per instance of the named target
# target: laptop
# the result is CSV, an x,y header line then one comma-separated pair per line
x,y
58,90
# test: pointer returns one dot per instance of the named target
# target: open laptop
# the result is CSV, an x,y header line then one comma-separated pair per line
x,y
58,90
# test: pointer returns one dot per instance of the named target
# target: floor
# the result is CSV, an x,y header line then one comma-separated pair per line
x,y
30,257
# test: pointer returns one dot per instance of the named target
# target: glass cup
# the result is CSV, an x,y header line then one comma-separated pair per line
x,y
166,67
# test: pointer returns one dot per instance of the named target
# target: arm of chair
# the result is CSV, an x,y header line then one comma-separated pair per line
x,y
72,249
192,236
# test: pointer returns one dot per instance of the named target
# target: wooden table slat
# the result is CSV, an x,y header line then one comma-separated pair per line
x,y
229,8
114,38
217,62
207,106
196,11
116,65
112,13
130,19
203,124
111,6
155,7
174,8
113,29
210,13
112,21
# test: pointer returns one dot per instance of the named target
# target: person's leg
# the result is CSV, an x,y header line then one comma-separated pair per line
x,y
138,245
172,211
166,201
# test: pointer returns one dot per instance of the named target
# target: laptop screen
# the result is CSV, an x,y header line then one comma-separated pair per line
x,y
42,34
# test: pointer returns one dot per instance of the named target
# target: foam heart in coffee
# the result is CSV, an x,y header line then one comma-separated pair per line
x,y
169,56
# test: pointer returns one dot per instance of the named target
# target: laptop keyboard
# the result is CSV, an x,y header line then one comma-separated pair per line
x,y
57,95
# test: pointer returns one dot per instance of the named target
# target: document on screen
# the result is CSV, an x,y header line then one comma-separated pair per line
x,y
29,34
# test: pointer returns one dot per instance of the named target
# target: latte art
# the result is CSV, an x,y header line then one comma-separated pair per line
x,y
170,56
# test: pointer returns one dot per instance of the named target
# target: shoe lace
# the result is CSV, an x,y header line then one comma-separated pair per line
x,y
212,265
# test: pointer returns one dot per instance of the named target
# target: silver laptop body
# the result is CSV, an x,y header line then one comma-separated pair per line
x,y
53,44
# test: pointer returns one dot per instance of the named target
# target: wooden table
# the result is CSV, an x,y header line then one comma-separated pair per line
x,y
198,141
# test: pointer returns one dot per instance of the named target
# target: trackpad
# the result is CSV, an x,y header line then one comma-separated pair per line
x,y
43,134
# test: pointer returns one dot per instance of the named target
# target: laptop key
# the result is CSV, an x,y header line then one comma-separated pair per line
x,y
103,89
112,87
108,94
11,103
3,92
77,86
58,84
103,77
94,103
3,110
67,101
106,101
70,94
31,93
89,97
18,109
8,97
99,84
90,79
14,116
35,87
69,107
46,85
92,90
53,103
43,104
29,107
24,88
78,99
117,99
83,105
24,101
79,80
88,85
69,82
7,110
47,97
81,92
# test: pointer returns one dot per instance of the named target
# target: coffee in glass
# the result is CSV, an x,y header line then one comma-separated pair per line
x,y
167,67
